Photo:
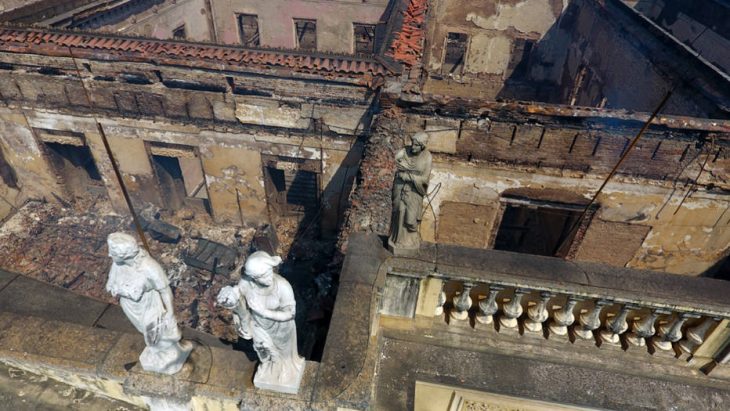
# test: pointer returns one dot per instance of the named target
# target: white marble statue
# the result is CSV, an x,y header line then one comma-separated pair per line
x,y
413,172
263,310
145,296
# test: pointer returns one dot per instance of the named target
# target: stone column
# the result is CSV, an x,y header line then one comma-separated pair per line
x,y
670,333
591,320
564,317
488,307
695,336
512,310
462,303
538,313
616,326
644,328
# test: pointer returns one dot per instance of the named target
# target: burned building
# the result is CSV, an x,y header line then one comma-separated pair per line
x,y
577,203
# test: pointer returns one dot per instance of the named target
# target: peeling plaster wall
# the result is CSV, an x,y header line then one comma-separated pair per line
x,y
276,24
160,24
492,27
586,53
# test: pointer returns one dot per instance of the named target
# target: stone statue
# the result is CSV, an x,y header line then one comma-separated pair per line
x,y
263,310
413,170
145,296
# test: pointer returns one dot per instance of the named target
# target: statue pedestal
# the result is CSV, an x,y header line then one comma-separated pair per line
x,y
166,359
273,381
402,251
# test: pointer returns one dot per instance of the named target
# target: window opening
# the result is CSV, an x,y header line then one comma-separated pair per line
x,y
181,177
7,173
364,38
539,230
519,58
248,29
306,32
455,53
74,167
179,33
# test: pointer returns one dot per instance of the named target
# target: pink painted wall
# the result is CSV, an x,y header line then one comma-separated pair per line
x,y
276,24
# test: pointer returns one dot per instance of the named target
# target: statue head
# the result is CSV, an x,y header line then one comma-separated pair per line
x,y
122,247
260,267
419,142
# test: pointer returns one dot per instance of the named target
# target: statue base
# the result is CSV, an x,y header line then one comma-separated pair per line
x,y
274,377
401,250
168,360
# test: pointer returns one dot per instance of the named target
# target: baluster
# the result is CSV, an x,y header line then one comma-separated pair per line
x,y
441,301
462,304
617,325
488,307
512,310
563,317
591,320
644,328
669,333
695,336
538,313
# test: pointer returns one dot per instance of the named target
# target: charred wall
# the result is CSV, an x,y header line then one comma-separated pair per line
x,y
229,119
604,54
485,163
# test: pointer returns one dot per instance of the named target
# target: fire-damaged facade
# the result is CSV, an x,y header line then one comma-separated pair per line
x,y
576,219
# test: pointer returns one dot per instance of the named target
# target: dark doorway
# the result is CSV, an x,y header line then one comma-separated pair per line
x,y
536,230
172,184
75,168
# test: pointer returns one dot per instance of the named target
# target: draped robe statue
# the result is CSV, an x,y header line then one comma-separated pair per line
x,y
263,310
413,171
146,299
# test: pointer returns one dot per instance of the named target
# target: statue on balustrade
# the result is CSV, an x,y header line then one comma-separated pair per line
x,y
146,299
413,171
263,310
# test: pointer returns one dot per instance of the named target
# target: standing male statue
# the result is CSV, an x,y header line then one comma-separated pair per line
x,y
263,310
413,170
145,296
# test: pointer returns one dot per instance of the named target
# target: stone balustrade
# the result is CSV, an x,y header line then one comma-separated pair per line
x,y
607,319
578,303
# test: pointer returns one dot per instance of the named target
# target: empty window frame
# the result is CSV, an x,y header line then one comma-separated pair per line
x,y
454,53
306,34
179,33
292,185
248,29
364,35
72,161
543,229
180,176
519,60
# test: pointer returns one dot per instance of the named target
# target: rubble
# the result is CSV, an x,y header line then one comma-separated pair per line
x,y
66,246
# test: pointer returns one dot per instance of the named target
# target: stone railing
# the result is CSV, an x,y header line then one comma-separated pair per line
x,y
665,314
